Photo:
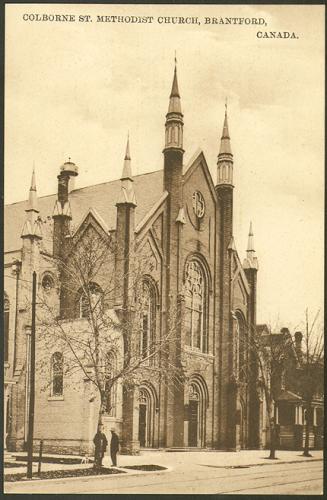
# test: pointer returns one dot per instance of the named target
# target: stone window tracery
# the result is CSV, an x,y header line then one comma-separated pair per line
x,y
240,349
198,204
195,306
147,319
47,282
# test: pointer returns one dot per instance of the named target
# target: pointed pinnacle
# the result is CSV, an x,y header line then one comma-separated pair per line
x,y
225,147
127,154
231,245
174,88
33,183
175,100
225,134
127,169
250,247
32,197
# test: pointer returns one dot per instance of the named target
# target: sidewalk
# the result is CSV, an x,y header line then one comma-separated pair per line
x,y
214,458
175,460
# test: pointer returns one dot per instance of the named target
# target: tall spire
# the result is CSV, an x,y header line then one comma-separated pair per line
x,y
251,261
225,138
32,225
174,117
175,98
225,156
127,193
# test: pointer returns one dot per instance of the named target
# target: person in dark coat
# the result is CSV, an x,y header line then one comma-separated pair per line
x,y
100,442
114,447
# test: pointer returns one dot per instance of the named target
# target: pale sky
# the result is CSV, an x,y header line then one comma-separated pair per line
x,y
76,89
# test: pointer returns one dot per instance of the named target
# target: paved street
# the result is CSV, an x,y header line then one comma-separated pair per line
x,y
197,473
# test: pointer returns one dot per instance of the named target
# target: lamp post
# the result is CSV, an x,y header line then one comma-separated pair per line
x,y
32,386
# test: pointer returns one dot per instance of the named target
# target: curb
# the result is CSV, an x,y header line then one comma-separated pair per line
x,y
79,478
272,462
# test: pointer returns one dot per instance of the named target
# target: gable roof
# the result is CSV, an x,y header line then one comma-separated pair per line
x,y
262,328
102,197
197,159
289,396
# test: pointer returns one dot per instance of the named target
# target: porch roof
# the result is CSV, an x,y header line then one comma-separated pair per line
x,y
289,396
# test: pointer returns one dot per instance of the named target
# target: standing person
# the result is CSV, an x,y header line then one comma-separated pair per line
x,y
100,442
114,447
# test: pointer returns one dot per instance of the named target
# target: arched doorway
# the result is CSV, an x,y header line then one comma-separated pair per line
x,y
147,409
197,414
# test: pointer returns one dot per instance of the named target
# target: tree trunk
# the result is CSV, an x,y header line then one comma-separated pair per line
x,y
272,429
101,409
271,409
306,451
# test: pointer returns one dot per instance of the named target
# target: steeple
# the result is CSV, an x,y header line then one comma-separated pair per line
x,y
251,261
32,225
175,98
225,138
127,193
225,156
174,117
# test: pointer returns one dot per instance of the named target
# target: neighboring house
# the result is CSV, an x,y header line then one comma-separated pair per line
x,y
183,220
290,402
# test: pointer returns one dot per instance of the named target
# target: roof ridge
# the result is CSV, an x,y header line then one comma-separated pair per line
x,y
83,187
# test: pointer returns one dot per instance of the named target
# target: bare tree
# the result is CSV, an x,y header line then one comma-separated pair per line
x,y
267,353
311,373
106,325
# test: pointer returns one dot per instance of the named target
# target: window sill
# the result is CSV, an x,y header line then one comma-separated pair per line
x,y
107,418
56,398
197,352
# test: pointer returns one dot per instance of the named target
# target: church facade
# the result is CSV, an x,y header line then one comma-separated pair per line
x,y
183,220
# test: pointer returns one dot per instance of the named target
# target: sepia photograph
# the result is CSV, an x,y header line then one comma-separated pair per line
x,y
163,301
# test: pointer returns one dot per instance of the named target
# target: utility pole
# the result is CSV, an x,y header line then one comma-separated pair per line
x,y
32,386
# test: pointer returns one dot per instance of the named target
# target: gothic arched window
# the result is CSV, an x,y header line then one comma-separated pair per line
x,y
195,306
57,374
111,390
6,308
240,349
148,308
90,298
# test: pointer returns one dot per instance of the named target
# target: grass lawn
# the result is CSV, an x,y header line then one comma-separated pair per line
x,y
58,474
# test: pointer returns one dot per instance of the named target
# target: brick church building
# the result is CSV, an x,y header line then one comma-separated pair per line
x,y
183,218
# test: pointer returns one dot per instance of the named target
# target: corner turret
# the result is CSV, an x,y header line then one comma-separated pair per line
x,y
32,226
225,157
251,261
62,212
127,193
